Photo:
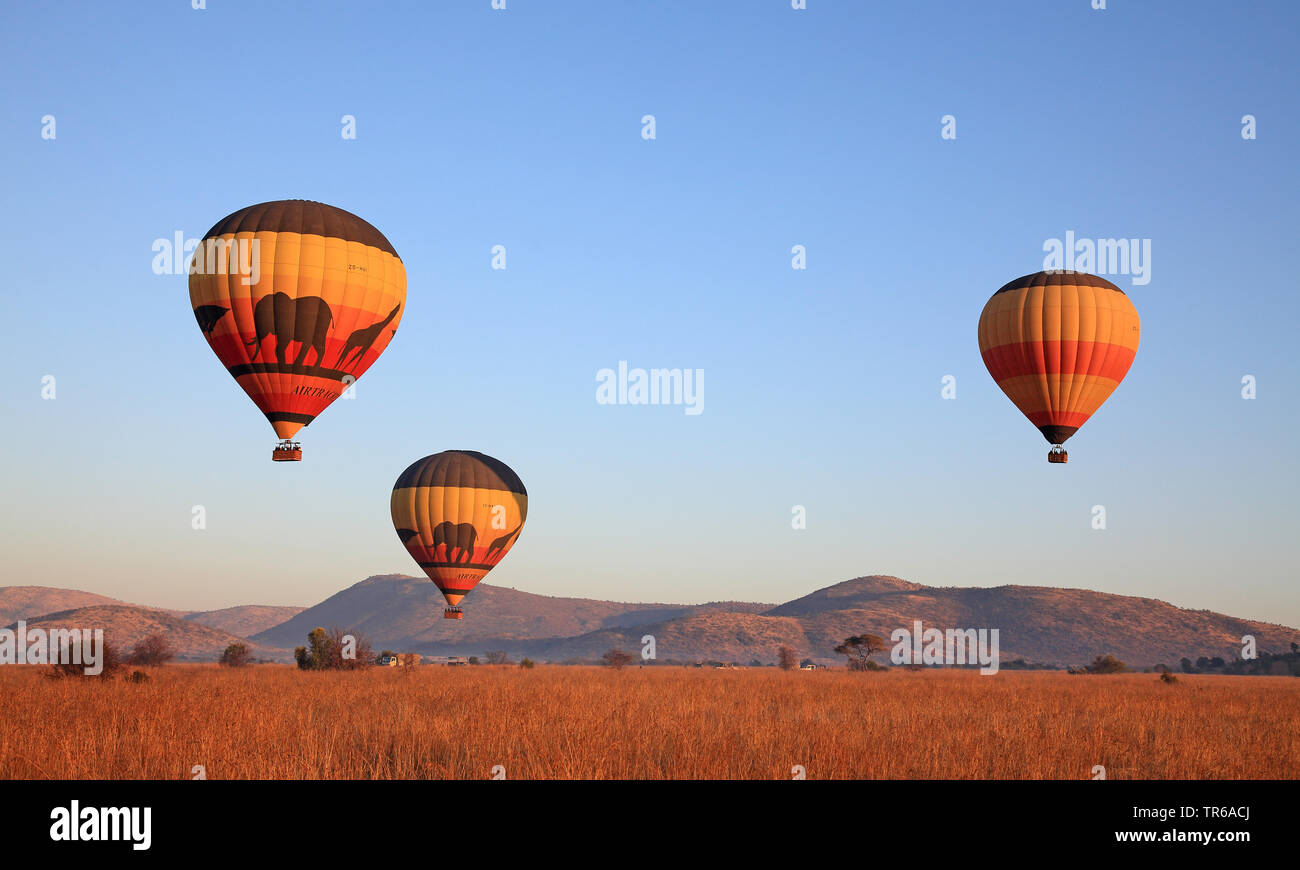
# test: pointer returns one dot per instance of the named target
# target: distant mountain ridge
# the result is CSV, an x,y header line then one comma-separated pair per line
x,y
124,626
1042,625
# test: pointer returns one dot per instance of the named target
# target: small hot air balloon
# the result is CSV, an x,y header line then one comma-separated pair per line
x,y
1058,343
458,513
297,299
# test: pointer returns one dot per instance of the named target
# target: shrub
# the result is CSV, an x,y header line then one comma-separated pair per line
x,y
1106,664
138,677
155,650
786,658
235,656
110,659
527,663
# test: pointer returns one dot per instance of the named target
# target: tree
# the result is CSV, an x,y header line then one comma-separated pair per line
x,y
348,651
786,658
1106,664
497,657
859,649
315,654
335,650
235,656
1186,664
155,649
616,659
526,663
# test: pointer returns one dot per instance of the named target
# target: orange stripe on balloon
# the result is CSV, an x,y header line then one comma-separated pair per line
x,y
1019,359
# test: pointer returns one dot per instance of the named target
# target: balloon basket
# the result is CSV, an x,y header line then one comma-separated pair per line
x,y
287,451
1058,454
453,613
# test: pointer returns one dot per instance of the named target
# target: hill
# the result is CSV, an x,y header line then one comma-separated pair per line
x,y
397,611
125,625
24,602
246,619
1044,625
1039,624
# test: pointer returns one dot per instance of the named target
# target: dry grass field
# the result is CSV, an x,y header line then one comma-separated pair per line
x,y
273,722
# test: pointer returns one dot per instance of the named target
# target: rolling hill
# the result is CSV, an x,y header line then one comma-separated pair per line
x,y
398,611
1042,625
125,625
24,602
1039,624
244,620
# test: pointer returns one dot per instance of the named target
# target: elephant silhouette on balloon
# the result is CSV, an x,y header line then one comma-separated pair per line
x,y
306,319
460,536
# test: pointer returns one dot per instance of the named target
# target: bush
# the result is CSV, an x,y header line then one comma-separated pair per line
x,y
786,658
235,656
138,677
1166,677
1106,664
155,650
527,663
110,659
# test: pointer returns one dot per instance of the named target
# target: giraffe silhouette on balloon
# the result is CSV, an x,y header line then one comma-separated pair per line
x,y
362,339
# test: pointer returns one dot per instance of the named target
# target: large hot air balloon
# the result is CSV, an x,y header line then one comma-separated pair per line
x,y
1058,344
297,299
458,513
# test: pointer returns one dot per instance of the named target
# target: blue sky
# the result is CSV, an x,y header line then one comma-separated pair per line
x,y
775,128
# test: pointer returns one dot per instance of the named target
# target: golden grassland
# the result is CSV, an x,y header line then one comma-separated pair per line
x,y
275,722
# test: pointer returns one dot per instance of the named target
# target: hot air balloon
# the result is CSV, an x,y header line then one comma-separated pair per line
x,y
1058,344
458,513
297,299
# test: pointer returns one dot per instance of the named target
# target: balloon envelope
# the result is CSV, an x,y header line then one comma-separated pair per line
x,y
1058,344
297,299
458,513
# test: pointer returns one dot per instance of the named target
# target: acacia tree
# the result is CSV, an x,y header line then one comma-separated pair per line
x,y
616,659
859,649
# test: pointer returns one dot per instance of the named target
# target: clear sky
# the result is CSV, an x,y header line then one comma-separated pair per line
x,y
774,128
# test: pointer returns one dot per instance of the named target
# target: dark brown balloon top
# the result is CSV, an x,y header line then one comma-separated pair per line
x,y
302,216
461,468
1056,278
